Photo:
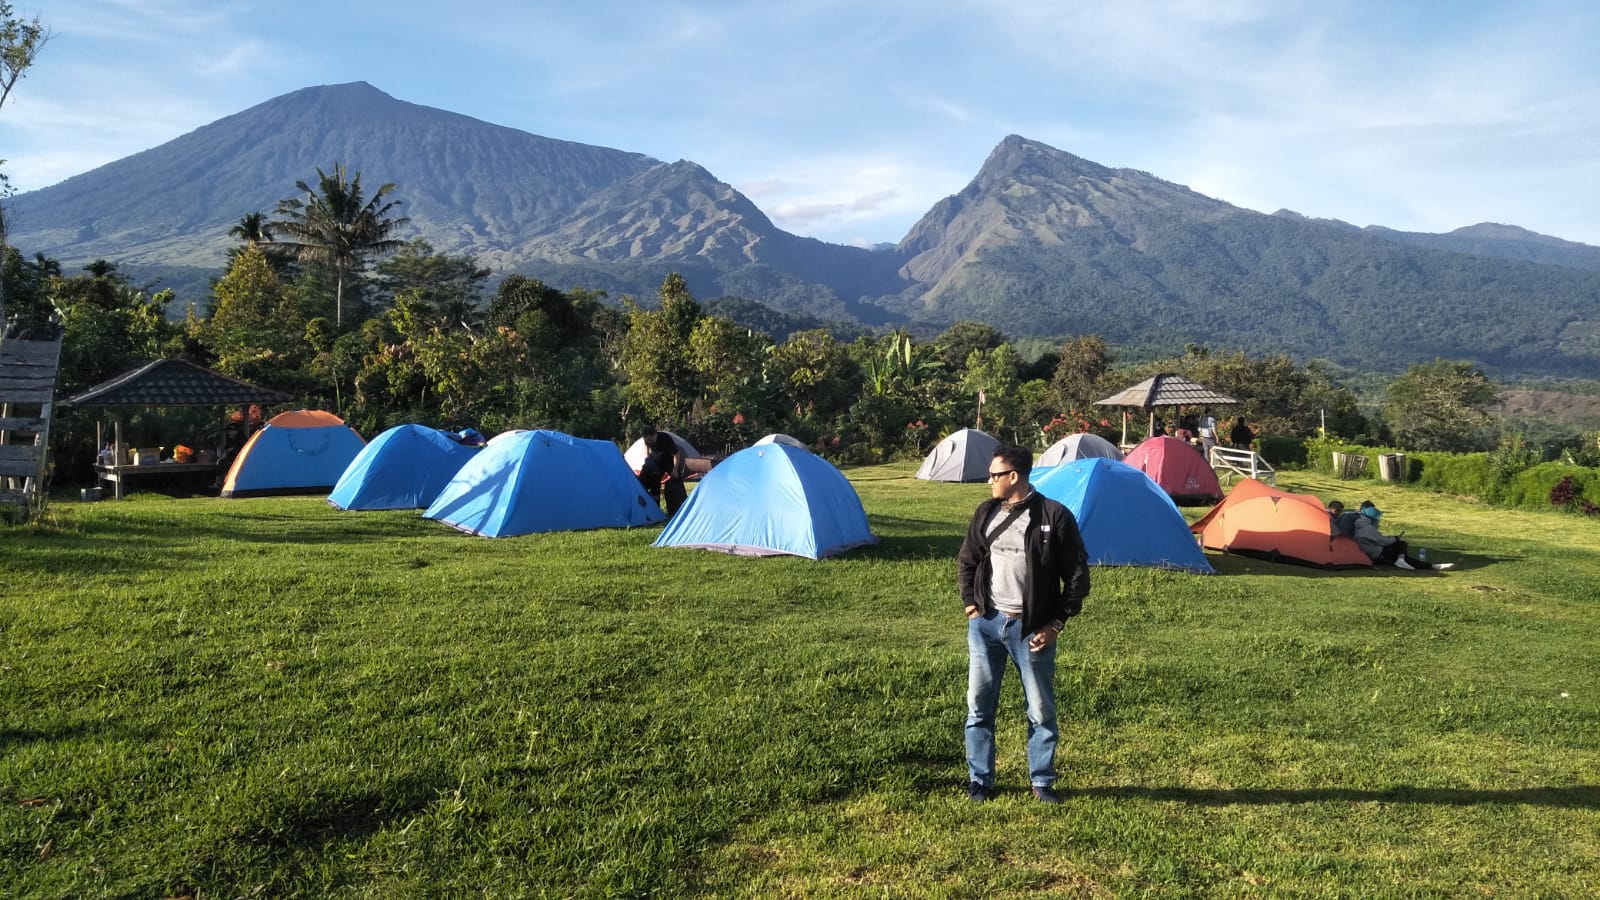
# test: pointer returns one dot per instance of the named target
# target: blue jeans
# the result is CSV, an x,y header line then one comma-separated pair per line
x,y
990,640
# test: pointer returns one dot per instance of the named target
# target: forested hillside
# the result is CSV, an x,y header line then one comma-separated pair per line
x,y
1041,243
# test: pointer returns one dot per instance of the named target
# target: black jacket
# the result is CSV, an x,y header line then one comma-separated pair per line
x,y
1058,566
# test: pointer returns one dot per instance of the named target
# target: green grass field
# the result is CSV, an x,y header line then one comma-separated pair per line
x,y
211,698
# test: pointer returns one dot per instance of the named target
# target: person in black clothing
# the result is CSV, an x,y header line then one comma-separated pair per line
x,y
663,469
1022,572
1241,436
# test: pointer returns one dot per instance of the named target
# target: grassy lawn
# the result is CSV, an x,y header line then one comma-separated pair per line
x,y
269,697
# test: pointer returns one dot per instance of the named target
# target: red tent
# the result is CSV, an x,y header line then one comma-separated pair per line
x,y
1178,468
1260,520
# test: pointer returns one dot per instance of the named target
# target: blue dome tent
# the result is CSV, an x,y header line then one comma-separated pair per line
x,y
300,452
403,468
771,499
531,481
1126,519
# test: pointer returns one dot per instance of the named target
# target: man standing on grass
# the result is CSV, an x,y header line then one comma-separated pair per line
x,y
1023,572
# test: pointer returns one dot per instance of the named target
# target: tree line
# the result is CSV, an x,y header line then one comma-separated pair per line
x,y
322,300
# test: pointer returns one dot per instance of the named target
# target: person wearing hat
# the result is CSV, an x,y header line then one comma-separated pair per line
x,y
1379,547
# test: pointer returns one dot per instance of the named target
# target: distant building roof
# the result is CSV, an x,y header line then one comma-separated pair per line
x,y
175,382
1166,389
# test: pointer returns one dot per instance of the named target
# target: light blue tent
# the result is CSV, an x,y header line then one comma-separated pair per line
x,y
1126,519
530,481
771,499
299,452
403,468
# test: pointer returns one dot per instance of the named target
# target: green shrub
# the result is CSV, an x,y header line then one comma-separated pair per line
x,y
1532,487
1282,451
1320,451
1465,474
1510,457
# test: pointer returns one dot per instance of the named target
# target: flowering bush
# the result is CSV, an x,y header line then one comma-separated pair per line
x,y
1073,422
1565,494
918,432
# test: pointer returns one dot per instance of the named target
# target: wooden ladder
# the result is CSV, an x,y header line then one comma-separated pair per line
x,y
27,396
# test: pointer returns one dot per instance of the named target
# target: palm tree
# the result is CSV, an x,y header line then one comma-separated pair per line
x,y
253,228
333,227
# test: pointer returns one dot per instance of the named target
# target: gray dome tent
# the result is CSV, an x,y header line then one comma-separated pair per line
x,y
962,456
1079,446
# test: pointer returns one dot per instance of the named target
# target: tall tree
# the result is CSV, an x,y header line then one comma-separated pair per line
x,y
1077,382
449,289
959,340
656,357
20,43
335,226
729,359
1442,405
249,298
253,229
994,374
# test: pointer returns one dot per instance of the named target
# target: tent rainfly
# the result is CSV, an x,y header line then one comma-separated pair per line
x,y
771,499
1125,518
962,456
405,467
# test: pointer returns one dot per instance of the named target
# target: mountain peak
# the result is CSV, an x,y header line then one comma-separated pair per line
x,y
1016,154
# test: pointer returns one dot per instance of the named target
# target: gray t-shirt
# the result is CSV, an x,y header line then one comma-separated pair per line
x,y
1008,564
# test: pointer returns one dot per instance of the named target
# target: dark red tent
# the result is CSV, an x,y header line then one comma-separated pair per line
x,y
1178,468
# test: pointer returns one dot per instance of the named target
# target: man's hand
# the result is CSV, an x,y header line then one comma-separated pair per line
x,y
1044,637
974,612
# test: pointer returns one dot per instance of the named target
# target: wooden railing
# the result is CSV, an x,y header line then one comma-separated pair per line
x,y
1234,463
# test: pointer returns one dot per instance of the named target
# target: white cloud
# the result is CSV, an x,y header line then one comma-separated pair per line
x,y
846,119
844,197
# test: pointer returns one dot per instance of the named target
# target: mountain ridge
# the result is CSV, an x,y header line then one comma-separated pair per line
x,y
1039,243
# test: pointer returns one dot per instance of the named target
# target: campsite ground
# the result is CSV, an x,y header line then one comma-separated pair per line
x,y
221,698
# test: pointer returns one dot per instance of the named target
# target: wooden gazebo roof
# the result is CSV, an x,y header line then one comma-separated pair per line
x,y
1167,389
175,382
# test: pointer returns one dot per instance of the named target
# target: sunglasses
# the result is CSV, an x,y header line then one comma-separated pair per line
x,y
996,476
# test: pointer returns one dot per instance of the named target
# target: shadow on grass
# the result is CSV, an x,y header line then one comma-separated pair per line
x,y
314,820
1583,796
913,539
196,540
1242,564
16,737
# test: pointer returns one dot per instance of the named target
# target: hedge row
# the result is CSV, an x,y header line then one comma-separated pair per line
x,y
1489,477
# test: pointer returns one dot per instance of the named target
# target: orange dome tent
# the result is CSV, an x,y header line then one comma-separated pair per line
x,y
1260,520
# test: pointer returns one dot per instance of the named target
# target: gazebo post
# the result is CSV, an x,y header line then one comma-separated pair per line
x,y
117,450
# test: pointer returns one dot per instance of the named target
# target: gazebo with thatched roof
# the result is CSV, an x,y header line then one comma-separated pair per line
x,y
165,382
1167,389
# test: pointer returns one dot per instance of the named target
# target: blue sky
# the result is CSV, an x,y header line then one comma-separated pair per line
x,y
847,119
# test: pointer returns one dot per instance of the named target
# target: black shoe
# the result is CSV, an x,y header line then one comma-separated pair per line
x,y
1046,794
977,793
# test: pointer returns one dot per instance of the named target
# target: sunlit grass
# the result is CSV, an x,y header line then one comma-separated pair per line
x,y
219,698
